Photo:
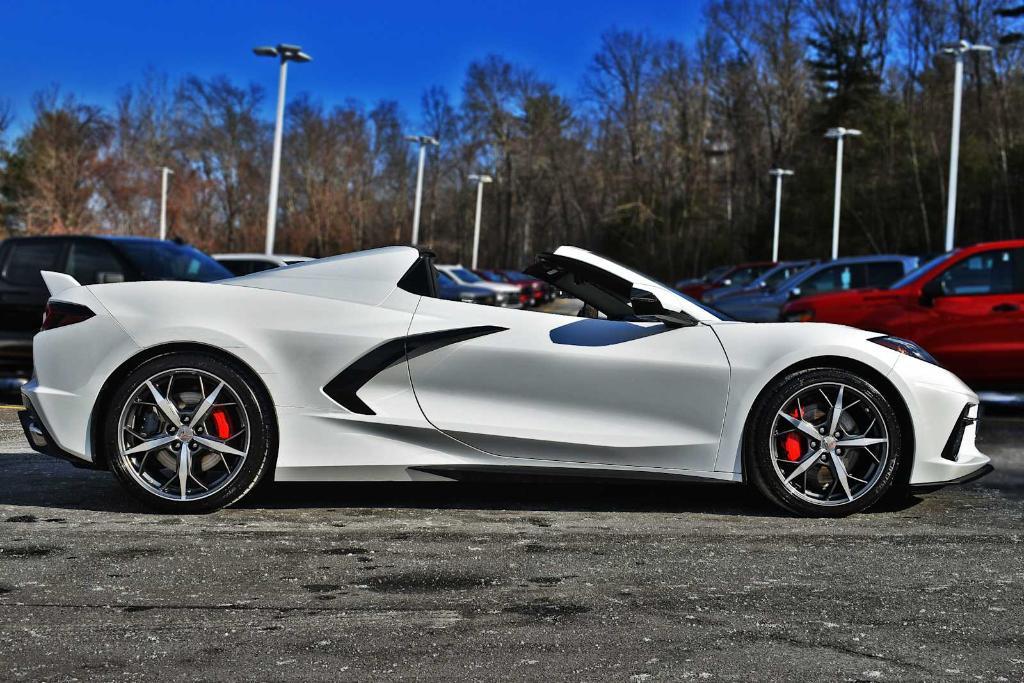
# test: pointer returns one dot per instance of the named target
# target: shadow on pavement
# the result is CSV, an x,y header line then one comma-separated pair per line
x,y
56,485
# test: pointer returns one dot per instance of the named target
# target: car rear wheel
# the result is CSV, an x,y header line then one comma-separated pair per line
x,y
824,442
189,433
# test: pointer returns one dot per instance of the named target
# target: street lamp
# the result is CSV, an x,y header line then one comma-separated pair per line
x,y
423,141
779,174
164,173
838,134
286,53
957,51
479,179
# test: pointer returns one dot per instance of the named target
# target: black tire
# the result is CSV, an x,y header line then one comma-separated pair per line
x,y
261,440
768,477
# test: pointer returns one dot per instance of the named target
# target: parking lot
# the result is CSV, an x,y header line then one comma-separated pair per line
x,y
438,581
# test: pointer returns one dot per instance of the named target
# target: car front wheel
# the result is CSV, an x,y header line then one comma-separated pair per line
x,y
824,442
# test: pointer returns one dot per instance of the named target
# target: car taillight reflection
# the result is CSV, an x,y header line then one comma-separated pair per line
x,y
61,314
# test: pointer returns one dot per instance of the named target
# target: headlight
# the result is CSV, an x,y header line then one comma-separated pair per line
x,y
907,348
804,316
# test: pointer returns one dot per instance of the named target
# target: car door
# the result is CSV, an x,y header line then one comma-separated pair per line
x,y
975,322
526,384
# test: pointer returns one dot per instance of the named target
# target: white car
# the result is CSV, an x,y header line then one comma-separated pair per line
x,y
246,264
504,294
350,368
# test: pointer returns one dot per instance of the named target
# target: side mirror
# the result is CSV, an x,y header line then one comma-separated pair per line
x,y
645,303
794,293
931,290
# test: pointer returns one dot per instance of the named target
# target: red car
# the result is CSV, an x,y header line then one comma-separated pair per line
x,y
965,307
740,275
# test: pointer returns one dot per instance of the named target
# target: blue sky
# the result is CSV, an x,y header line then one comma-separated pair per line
x,y
365,50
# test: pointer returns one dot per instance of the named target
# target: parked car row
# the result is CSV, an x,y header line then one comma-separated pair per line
x,y
965,307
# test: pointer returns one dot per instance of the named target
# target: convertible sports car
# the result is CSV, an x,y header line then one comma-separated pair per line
x,y
351,368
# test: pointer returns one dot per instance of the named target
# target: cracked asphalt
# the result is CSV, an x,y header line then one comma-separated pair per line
x,y
486,582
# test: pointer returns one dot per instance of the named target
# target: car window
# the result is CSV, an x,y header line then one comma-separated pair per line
x,y
990,272
25,260
883,273
920,271
465,275
744,276
169,261
93,263
444,279
834,278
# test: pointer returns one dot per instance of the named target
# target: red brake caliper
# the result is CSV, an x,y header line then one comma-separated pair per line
x,y
221,425
793,443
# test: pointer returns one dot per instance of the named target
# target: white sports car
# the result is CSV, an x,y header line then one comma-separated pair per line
x,y
350,368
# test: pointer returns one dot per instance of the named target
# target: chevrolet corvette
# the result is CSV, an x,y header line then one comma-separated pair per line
x,y
351,368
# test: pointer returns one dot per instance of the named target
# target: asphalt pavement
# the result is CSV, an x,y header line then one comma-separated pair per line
x,y
481,582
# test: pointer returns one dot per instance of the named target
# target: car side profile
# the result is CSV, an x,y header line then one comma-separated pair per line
x,y
966,307
830,276
352,368
88,259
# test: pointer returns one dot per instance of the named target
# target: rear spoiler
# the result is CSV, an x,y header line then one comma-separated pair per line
x,y
58,282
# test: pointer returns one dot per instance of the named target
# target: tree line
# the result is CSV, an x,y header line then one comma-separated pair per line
x,y
659,157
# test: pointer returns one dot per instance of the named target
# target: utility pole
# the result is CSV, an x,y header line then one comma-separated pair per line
x,y
838,134
423,141
957,51
779,174
480,180
164,173
286,53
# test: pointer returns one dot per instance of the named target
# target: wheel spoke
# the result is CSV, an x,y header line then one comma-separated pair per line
x,y
165,406
206,404
860,442
837,411
147,446
184,465
218,446
804,465
804,426
839,471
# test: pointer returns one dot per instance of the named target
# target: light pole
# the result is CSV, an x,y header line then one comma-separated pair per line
x,y
286,53
779,174
164,173
479,179
957,51
423,141
838,134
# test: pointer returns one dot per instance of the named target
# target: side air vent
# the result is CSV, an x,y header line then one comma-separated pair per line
x,y
344,387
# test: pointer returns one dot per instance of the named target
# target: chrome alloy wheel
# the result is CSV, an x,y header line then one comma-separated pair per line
x,y
183,434
829,444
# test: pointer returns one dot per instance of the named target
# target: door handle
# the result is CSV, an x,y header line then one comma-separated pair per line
x,y
1005,308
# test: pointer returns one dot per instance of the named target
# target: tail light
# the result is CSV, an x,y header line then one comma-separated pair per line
x,y
61,314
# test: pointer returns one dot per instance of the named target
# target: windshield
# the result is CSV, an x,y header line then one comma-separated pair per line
x,y
444,279
170,261
490,276
920,271
517,277
744,276
776,277
465,275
